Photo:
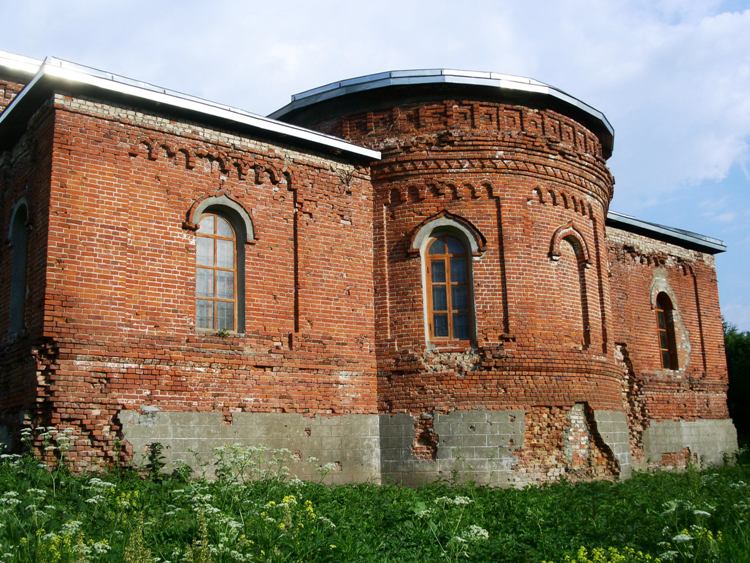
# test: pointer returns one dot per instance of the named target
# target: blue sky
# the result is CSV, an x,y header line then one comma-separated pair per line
x,y
672,76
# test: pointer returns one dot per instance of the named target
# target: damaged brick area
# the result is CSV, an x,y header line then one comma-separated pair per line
x,y
564,442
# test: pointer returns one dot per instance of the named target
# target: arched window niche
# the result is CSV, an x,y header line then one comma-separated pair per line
x,y
446,244
665,329
564,238
18,238
222,230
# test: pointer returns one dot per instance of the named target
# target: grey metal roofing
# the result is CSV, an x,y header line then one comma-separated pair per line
x,y
19,63
681,237
57,72
437,76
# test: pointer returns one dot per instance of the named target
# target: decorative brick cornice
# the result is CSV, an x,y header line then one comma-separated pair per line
x,y
239,164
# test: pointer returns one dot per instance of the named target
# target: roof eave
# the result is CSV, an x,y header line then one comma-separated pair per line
x,y
55,75
509,83
679,237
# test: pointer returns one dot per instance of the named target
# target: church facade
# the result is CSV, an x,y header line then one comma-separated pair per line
x,y
413,275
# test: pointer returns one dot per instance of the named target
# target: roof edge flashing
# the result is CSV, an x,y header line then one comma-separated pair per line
x,y
19,63
674,235
60,71
431,76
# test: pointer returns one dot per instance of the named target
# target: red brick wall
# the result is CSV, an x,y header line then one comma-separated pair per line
x,y
120,285
518,175
24,357
641,267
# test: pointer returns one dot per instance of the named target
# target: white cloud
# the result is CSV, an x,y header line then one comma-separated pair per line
x,y
673,76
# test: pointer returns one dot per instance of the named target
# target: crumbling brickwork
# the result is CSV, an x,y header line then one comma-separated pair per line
x,y
558,374
640,269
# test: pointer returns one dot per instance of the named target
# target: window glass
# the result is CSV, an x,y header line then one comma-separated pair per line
x,y
223,228
438,247
18,251
225,281
665,329
205,251
204,314
458,269
204,285
206,224
441,325
438,272
449,292
224,253
439,298
461,326
216,274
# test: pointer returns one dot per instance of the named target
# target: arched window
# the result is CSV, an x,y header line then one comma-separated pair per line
x,y
222,229
219,273
449,299
19,236
665,327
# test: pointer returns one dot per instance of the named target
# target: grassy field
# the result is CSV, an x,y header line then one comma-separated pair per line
x,y
51,515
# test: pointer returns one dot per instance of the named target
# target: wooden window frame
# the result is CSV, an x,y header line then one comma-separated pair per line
x,y
664,310
445,258
236,271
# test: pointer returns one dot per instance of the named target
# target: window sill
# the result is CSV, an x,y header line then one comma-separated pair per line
x,y
216,336
451,346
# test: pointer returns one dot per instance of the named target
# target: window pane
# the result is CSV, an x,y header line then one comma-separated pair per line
x,y
225,254
204,284
663,341
224,315
206,224
455,246
225,283
438,271
461,326
223,228
439,300
666,359
437,247
205,251
440,325
458,269
460,297
661,320
204,314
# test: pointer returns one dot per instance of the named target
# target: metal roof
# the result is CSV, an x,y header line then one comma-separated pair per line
x,y
19,63
669,234
53,72
505,82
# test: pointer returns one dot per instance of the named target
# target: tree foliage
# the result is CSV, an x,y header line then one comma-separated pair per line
x,y
738,361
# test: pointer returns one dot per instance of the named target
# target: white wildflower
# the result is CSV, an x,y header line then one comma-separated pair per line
x,y
72,526
476,533
682,538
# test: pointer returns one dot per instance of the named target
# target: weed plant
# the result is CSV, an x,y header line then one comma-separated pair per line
x,y
252,511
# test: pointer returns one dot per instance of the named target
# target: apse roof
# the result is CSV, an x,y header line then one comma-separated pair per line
x,y
504,83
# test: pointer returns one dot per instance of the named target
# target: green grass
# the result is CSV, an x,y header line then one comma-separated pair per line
x,y
56,516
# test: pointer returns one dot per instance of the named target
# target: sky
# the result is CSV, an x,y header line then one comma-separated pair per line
x,y
672,76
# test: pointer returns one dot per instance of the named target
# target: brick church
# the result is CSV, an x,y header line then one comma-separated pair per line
x,y
413,275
